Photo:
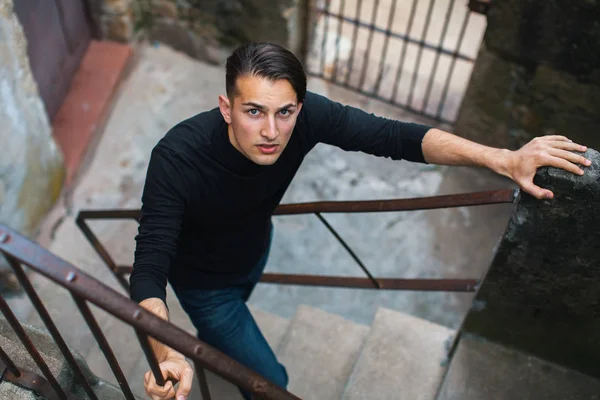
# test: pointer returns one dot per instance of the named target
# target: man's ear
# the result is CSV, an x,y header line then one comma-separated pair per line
x,y
225,108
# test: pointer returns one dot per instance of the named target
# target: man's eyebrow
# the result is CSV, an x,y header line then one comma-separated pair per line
x,y
255,105
262,108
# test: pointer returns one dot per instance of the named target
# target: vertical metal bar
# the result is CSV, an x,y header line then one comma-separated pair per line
x,y
385,48
9,363
150,357
325,27
411,19
354,39
418,63
369,42
104,346
22,335
304,31
101,250
451,71
339,37
39,306
437,55
202,380
349,250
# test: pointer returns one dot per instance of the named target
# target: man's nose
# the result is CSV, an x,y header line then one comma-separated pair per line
x,y
270,131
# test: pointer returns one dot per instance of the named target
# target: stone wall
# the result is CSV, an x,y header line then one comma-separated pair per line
x,y
540,295
116,19
204,29
537,73
31,165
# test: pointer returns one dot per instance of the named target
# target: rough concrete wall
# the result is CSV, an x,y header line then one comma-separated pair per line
x,y
115,19
31,165
537,73
204,29
210,29
540,295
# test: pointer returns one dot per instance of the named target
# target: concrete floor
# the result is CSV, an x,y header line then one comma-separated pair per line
x,y
165,87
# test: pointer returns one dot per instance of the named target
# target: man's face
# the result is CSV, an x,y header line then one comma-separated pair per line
x,y
261,118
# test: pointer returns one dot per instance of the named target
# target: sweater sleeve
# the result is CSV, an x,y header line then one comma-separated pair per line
x,y
163,204
353,129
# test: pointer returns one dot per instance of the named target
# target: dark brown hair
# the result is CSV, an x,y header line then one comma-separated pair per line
x,y
267,60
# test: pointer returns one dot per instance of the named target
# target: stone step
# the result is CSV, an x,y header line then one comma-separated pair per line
x,y
485,370
56,362
319,351
403,358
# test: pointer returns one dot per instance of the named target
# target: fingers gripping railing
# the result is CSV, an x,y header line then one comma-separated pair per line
x,y
20,250
319,208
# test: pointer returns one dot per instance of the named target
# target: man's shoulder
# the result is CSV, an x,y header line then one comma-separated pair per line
x,y
314,99
191,134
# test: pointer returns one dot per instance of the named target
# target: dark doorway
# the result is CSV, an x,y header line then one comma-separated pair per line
x,y
58,33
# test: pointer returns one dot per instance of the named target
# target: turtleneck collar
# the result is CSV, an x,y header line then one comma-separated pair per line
x,y
231,157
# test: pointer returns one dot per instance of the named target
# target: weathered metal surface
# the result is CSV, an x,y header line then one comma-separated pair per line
x,y
150,356
58,339
421,203
202,381
8,364
26,340
103,344
33,382
444,285
92,290
348,249
322,16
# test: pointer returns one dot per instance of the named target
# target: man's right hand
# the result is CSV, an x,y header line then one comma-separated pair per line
x,y
174,369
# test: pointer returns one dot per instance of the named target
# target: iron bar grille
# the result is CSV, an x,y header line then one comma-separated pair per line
x,y
417,55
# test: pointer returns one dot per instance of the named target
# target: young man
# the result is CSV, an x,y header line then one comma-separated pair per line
x,y
214,180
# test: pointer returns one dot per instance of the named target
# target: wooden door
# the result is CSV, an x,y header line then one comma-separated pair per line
x,y
58,33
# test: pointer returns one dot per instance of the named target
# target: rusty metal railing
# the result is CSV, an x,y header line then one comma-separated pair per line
x,y
84,289
319,208
19,251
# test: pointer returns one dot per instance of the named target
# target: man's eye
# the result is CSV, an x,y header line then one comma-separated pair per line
x,y
285,113
254,112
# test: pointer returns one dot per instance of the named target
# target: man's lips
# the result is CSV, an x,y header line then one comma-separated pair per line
x,y
268,148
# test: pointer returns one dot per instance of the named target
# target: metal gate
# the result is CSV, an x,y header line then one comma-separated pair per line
x,y
58,33
414,54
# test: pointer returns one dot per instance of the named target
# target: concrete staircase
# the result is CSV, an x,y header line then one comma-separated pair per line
x,y
327,356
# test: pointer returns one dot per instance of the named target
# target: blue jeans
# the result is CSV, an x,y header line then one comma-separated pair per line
x,y
224,322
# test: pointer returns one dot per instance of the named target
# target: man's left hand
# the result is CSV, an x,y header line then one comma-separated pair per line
x,y
553,151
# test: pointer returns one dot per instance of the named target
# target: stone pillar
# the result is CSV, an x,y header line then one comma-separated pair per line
x,y
31,165
541,294
537,73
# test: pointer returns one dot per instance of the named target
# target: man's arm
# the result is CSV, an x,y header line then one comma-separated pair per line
x,y
163,203
163,352
444,148
172,363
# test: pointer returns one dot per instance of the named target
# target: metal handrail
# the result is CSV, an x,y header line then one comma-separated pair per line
x,y
83,288
20,250
318,208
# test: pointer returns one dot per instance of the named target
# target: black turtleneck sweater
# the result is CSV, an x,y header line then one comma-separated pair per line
x,y
206,208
